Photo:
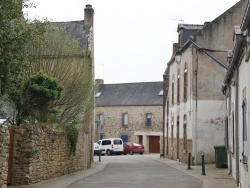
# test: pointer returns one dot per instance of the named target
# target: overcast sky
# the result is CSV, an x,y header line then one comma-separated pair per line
x,y
133,38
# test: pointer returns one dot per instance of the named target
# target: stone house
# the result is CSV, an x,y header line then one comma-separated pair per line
x,y
35,153
131,111
236,90
194,106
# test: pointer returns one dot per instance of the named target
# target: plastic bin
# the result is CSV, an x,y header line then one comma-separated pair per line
x,y
220,156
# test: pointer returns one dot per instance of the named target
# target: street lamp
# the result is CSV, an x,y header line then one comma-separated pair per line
x,y
178,57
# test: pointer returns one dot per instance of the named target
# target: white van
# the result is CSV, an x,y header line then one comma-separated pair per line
x,y
111,146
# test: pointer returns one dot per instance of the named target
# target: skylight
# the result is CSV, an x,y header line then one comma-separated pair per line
x,y
98,94
160,93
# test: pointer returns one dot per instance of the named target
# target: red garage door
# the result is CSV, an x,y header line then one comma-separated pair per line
x,y
154,144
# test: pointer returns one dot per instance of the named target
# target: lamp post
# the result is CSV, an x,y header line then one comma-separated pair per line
x,y
178,57
97,120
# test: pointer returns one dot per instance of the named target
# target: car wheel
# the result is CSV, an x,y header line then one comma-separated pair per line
x,y
131,152
141,153
108,152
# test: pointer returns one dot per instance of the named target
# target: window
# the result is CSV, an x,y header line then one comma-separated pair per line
x,y
160,93
101,136
173,91
244,130
99,121
172,132
178,138
185,83
106,142
98,94
178,87
185,133
148,119
231,131
117,142
125,119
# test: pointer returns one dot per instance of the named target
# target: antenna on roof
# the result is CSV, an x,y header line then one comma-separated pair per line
x,y
180,20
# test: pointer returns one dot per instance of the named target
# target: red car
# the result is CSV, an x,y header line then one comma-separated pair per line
x,y
131,148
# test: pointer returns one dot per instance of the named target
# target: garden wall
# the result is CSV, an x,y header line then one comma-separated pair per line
x,y
42,152
4,154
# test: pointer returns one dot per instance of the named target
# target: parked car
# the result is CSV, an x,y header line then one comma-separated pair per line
x,y
96,148
131,148
111,146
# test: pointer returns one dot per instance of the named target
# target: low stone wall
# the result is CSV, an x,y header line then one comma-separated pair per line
x,y
183,153
42,152
4,154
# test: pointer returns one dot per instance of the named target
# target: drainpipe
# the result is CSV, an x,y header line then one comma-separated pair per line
x,y
164,118
229,152
196,106
237,125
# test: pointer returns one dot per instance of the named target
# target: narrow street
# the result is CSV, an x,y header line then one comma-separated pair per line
x,y
137,171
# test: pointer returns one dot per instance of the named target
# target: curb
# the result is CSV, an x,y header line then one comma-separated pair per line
x,y
63,181
214,178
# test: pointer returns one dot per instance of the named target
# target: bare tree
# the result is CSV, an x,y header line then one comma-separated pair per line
x,y
61,56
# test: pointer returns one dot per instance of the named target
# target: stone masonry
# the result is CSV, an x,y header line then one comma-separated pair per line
x,y
42,152
4,154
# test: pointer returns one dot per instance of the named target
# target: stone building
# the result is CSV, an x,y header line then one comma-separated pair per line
x,y
131,111
194,107
236,90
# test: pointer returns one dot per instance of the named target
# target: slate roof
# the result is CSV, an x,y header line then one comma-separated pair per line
x,y
76,29
130,94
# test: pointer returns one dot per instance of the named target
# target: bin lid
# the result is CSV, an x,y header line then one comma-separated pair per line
x,y
220,146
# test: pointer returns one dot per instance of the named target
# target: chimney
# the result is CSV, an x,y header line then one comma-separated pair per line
x,y
175,48
88,16
98,83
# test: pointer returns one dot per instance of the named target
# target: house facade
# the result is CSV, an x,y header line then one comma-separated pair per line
x,y
194,106
236,90
131,111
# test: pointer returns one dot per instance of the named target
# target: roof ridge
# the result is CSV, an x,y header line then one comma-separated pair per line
x,y
133,83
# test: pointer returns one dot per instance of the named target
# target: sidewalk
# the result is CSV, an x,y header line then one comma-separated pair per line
x,y
63,181
214,178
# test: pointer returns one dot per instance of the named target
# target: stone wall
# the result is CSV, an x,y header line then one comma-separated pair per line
x,y
4,141
113,124
42,152
183,153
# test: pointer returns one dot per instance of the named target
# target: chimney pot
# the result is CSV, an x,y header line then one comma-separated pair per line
x,y
88,6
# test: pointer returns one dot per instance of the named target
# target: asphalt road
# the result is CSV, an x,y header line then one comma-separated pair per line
x,y
138,171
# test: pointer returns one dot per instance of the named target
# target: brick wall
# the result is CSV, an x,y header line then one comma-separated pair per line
x,y
4,141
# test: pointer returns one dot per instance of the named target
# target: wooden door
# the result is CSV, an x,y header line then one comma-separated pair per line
x,y
154,144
